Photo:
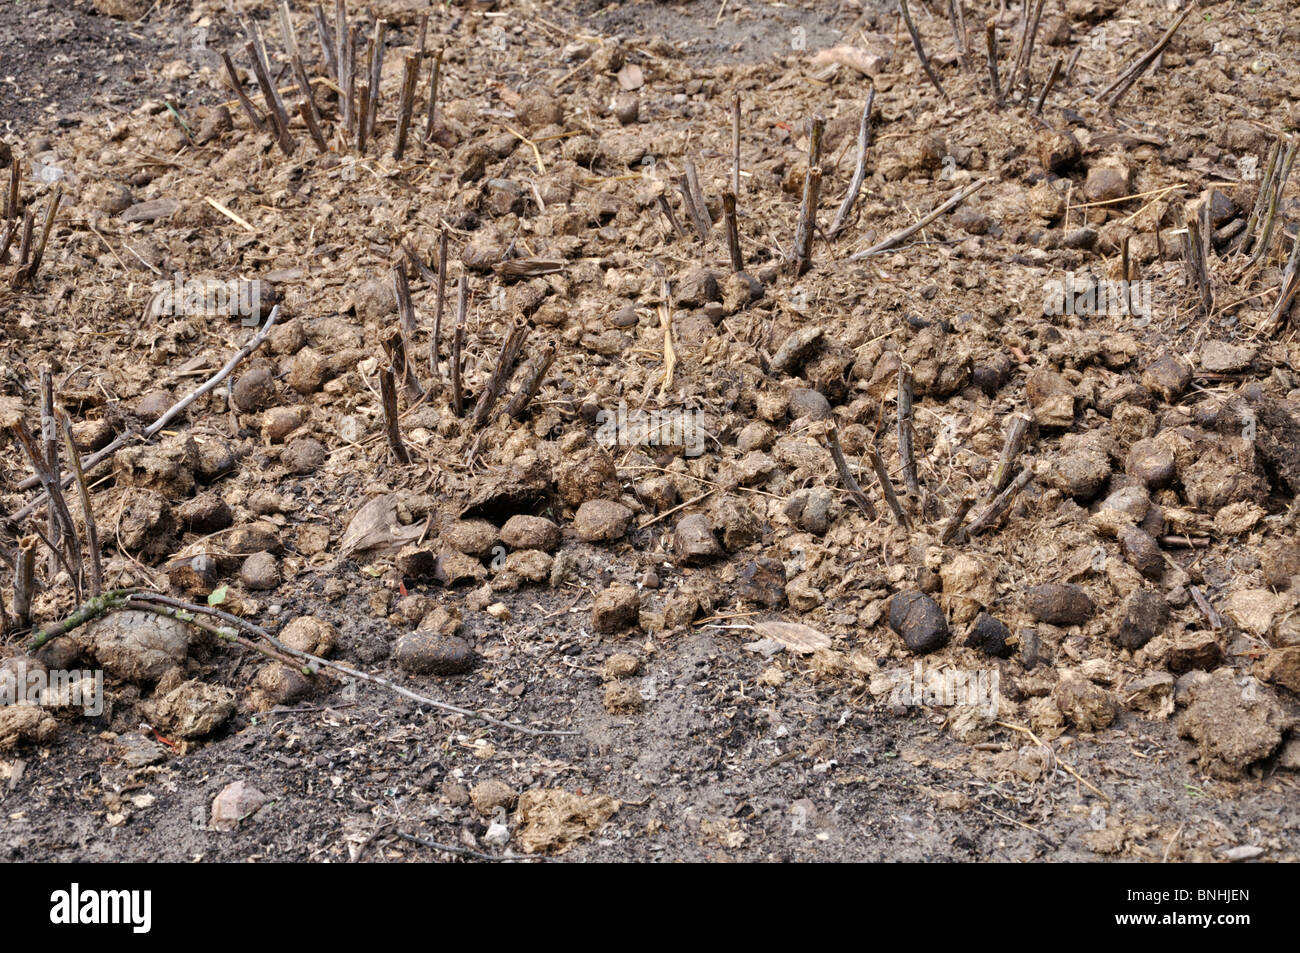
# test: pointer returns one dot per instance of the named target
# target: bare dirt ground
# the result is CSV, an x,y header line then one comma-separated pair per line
x,y
1133,610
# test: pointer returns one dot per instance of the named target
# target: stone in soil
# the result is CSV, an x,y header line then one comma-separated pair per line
x,y
919,620
235,803
1142,552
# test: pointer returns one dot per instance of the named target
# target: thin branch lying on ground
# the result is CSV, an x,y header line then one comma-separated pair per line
x,y
167,416
141,599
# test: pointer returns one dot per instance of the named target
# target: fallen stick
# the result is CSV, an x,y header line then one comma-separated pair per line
x,y
1134,71
904,233
859,170
118,598
167,416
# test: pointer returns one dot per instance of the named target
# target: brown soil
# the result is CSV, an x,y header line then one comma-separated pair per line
x,y
716,743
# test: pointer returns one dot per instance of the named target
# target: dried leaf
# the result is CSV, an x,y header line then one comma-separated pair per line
x,y
795,636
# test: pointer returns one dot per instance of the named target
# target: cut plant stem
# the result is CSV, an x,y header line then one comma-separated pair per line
x,y
327,47
733,231
907,432
457,339
388,396
1012,446
87,510
920,48
887,486
1000,503
951,527
436,341
376,75
500,376
859,169
846,475
991,39
693,197
279,117
50,453
533,376
410,73
313,127
430,123
1196,260
806,228
1047,87
23,580
255,118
